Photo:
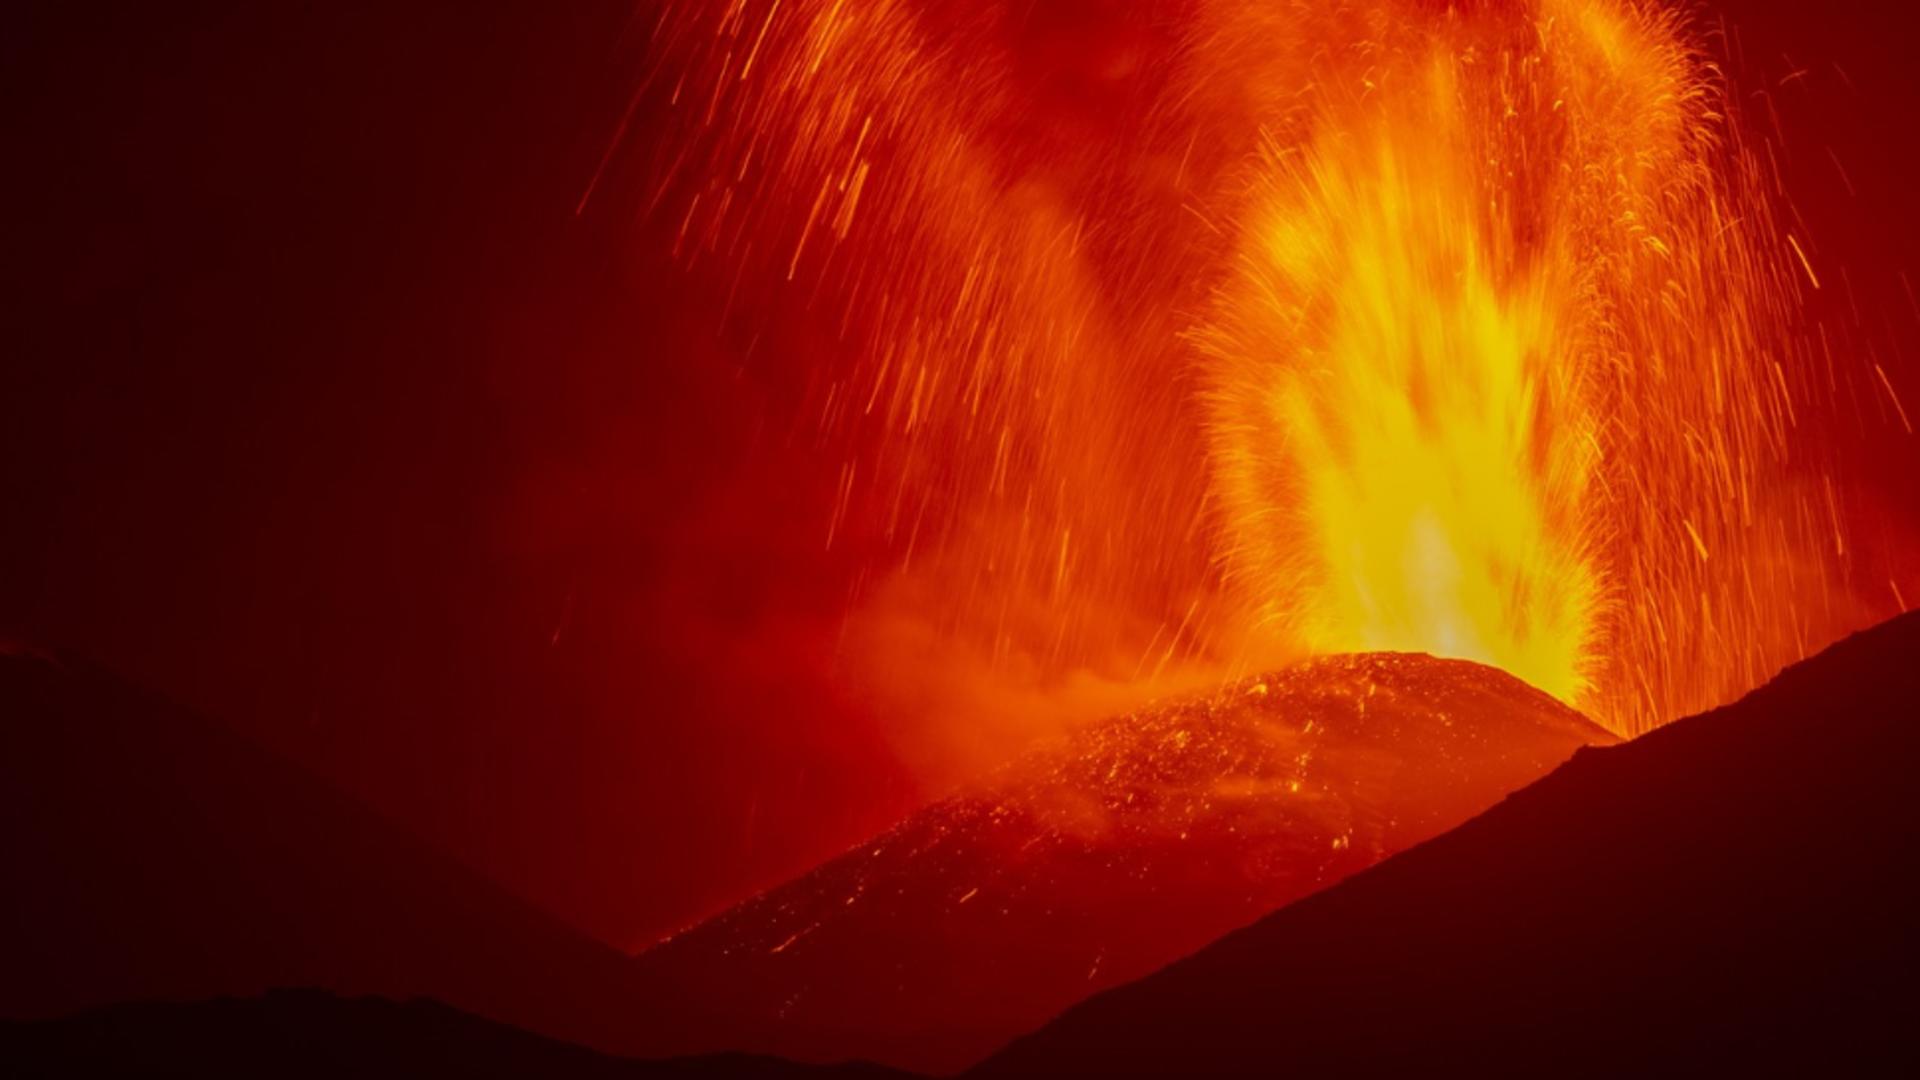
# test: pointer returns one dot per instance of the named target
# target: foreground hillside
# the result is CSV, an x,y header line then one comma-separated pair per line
x,y
154,855
1736,891
151,855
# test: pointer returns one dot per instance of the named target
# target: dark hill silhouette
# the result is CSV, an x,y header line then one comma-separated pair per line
x,y
1735,893
308,1035
1096,861
149,854
152,855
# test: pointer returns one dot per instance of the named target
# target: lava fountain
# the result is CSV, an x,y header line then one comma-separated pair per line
x,y
1501,369
1199,334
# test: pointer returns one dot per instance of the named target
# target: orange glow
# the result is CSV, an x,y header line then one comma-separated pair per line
x,y
1403,456
1492,377
1391,324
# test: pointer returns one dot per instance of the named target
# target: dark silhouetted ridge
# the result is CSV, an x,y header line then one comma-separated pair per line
x,y
300,1034
157,856
150,854
1736,892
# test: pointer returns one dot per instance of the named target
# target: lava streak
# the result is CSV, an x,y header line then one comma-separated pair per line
x,y
1201,332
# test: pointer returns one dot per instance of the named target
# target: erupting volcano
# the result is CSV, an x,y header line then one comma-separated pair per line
x,y
1018,536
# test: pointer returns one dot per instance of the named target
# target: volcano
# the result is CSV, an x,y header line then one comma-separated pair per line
x,y
1099,859
644,524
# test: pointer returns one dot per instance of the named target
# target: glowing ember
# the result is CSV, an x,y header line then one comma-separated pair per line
x,y
1197,334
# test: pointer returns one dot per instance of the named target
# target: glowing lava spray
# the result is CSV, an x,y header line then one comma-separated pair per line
x,y
1461,327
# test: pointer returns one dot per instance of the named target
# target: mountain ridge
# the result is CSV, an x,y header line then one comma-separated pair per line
x,y
1734,889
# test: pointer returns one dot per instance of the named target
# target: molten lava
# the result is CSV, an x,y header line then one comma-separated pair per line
x,y
1147,337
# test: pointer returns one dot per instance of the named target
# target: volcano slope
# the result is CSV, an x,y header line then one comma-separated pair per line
x,y
154,856
1102,858
1736,891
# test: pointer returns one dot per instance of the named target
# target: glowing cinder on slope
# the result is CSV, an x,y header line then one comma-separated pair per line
x,y
1091,862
